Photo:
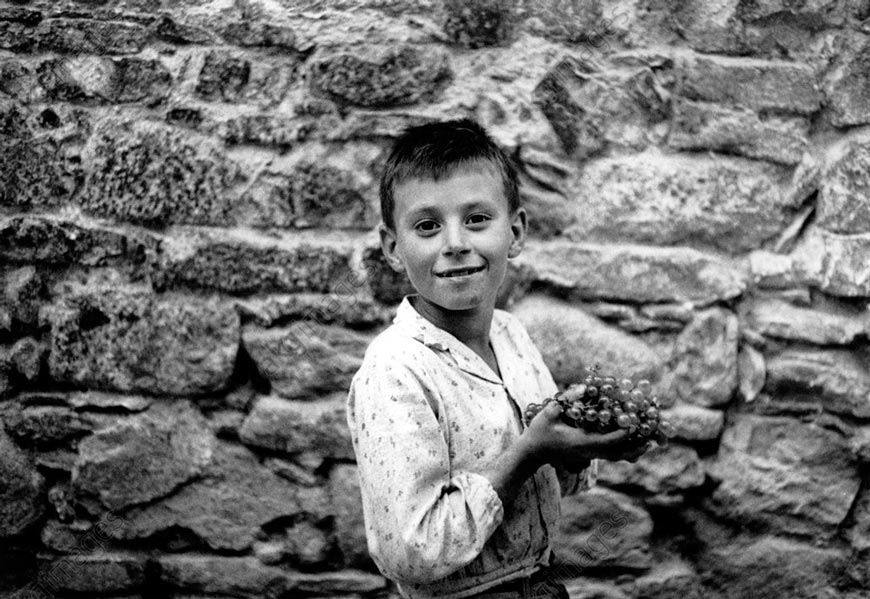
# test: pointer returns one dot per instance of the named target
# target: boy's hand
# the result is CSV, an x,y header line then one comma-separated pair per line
x,y
551,441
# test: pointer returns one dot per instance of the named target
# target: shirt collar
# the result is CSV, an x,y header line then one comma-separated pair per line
x,y
440,340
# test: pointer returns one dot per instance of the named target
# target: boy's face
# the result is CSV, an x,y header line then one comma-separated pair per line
x,y
453,238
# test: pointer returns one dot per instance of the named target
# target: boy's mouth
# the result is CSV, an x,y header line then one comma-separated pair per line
x,y
460,272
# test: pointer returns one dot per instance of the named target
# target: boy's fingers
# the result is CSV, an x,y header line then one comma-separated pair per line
x,y
611,438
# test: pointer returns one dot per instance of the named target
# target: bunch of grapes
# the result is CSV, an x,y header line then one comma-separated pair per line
x,y
604,403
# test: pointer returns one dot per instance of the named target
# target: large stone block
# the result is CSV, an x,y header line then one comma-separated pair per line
x,y
833,380
130,340
44,426
783,320
670,470
395,76
783,475
350,306
21,489
144,457
754,83
33,239
227,508
730,204
843,205
242,263
835,263
23,290
98,573
695,423
601,529
156,175
247,577
702,368
85,36
293,427
814,14
571,340
346,506
745,569
847,84
306,359
633,273
589,108
95,79
702,126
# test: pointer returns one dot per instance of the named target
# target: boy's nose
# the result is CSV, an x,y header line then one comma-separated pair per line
x,y
456,240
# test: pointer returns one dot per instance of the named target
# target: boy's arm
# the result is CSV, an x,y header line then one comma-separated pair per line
x,y
423,521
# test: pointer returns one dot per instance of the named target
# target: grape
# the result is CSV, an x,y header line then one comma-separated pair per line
x,y
603,403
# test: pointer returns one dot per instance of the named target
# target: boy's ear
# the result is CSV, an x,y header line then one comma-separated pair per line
x,y
519,227
388,247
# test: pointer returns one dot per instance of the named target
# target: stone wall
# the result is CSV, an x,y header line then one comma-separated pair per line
x,y
190,276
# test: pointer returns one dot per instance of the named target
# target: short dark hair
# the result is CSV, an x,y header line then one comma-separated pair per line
x,y
437,150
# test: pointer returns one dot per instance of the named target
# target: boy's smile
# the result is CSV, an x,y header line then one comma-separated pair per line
x,y
453,237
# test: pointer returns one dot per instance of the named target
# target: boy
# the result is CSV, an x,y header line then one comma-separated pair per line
x,y
459,497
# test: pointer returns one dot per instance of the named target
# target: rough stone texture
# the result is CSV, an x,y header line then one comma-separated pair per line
x,y
670,579
859,534
702,369
479,23
306,359
390,77
601,529
240,263
633,273
227,508
104,80
74,35
46,240
701,126
671,469
386,285
247,577
45,425
144,457
155,175
223,77
847,85
97,573
130,340
35,174
571,340
730,204
294,426
26,356
783,475
346,504
753,83
21,488
783,320
837,264
843,204
589,108
22,291
694,423
567,21
829,379
96,400
802,569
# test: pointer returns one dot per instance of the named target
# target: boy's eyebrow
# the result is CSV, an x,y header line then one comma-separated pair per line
x,y
433,210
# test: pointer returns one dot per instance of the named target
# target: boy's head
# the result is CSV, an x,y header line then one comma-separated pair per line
x,y
451,214
437,150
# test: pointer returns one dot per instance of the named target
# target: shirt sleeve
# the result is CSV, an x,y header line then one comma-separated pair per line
x,y
423,520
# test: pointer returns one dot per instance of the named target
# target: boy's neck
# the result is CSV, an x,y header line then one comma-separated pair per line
x,y
471,327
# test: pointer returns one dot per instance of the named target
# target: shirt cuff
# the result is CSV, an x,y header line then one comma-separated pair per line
x,y
484,503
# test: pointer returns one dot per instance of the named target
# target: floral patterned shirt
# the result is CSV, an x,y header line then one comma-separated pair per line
x,y
426,416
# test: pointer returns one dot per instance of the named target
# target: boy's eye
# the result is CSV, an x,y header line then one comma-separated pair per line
x,y
426,226
477,219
